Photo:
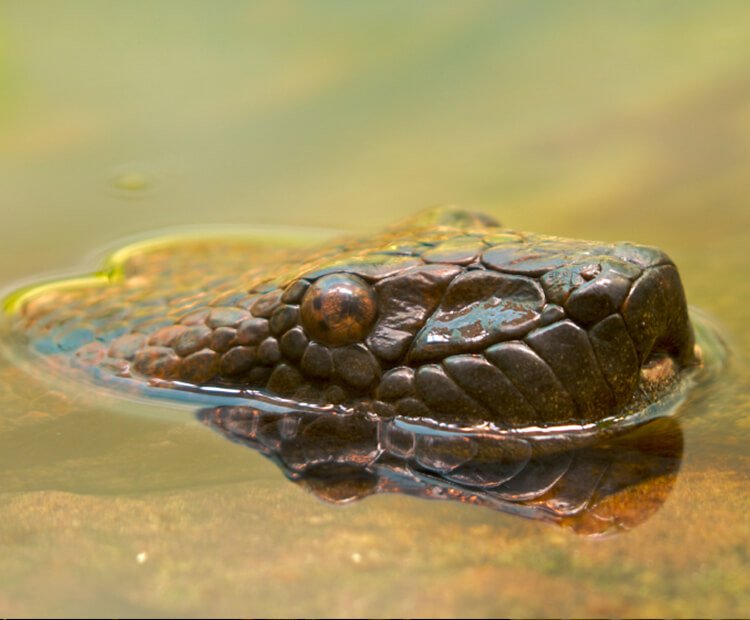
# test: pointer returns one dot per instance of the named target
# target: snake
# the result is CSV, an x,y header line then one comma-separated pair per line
x,y
447,318
444,356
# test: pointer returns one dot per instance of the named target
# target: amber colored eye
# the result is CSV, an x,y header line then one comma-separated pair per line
x,y
338,309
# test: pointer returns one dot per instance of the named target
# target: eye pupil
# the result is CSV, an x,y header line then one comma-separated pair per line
x,y
338,309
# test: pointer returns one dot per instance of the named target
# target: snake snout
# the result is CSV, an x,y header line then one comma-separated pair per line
x,y
656,315
557,335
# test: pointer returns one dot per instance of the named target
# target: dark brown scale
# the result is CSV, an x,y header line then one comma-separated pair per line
x,y
678,338
226,317
356,366
551,313
642,256
375,408
533,378
478,309
404,303
396,383
238,361
222,339
199,367
567,350
656,314
283,319
192,339
597,298
522,260
559,283
317,361
617,356
293,344
606,284
294,293
336,394
268,352
285,380
253,331
446,401
645,312
490,387
266,304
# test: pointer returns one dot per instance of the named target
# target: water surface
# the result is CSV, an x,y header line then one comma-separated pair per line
x,y
603,122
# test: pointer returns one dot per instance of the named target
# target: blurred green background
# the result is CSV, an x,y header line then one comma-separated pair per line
x,y
605,120
118,117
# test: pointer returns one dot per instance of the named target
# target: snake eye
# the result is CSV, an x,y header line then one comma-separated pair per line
x,y
338,309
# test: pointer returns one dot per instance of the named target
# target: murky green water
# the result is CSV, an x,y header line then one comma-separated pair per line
x,y
596,121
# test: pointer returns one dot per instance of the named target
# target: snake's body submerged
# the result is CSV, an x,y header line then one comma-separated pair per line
x,y
447,319
447,357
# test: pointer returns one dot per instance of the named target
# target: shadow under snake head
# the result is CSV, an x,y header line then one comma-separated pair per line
x,y
447,318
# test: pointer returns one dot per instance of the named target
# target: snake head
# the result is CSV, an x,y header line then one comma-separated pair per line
x,y
455,319
448,317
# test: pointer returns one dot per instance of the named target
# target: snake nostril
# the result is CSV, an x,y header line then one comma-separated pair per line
x,y
591,271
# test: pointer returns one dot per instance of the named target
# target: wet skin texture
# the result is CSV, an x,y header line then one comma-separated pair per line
x,y
448,318
447,358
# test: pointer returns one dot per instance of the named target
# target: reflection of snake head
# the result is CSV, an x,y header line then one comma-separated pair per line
x,y
448,318
447,357
604,488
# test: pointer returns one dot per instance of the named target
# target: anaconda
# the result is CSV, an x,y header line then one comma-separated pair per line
x,y
447,318
484,347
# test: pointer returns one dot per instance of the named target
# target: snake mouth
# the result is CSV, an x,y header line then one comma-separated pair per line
x,y
661,373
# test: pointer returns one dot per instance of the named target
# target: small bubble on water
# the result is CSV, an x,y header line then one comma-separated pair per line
x,y
356,557
132,180
141,557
